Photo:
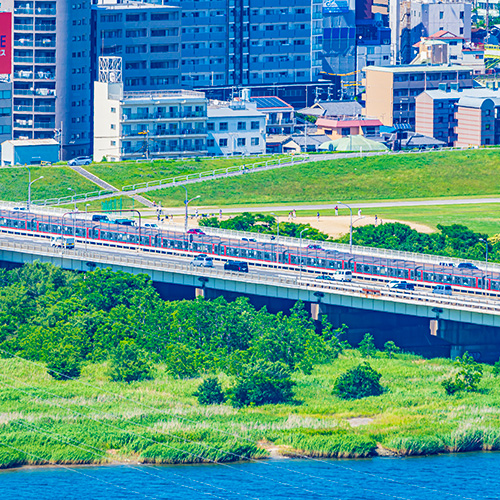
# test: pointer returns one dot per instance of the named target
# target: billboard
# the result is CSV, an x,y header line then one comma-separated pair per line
x,y
5,43
335,6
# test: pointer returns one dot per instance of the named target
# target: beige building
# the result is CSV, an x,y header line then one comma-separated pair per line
x,y
390,91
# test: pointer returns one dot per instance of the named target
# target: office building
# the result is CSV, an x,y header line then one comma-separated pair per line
x,y
236,128
51,91
5,110
390,92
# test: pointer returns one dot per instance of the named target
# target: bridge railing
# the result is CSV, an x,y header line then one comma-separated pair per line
x,y
451,302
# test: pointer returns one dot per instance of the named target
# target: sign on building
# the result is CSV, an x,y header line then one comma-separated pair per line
x,y
5,43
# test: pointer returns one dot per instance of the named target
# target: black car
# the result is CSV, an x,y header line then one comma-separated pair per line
x,y
100,218
466,265
234,265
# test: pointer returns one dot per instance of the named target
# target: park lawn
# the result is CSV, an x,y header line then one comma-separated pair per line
x,y
408,176
55,183
125,173
160,420
97,205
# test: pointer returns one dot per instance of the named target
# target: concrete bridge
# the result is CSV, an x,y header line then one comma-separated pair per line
x,y
418,321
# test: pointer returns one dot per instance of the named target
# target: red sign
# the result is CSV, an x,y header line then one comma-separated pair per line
x,y
5,43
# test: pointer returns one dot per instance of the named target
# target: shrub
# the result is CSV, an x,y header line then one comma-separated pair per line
x,y
64,363
367,346
467,378
262,383
358,382
496,368
391,348
129,363
209,392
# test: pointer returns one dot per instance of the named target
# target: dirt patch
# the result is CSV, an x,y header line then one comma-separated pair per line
x,y
359,421
384,452
275,451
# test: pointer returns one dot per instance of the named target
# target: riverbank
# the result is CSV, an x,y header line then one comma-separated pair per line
x,y
93,421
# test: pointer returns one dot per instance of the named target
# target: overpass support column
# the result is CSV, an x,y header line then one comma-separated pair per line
x,y
316,307
199,292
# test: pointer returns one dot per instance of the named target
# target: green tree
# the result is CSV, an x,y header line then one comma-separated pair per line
x,y
64,363
467,378
262,383
359,382
129,363
496,368
210,392
367,346
391,348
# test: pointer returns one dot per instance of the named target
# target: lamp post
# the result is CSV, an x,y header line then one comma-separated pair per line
x,y
300,253
486,263
30,182
350,231
186,203
74,196
277,236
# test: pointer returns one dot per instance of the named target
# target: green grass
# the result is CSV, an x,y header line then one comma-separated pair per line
x,y
409,176
55,183
130,172
412,417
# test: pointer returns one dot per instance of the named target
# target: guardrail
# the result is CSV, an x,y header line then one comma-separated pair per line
x,y
352,289
219,171
72,199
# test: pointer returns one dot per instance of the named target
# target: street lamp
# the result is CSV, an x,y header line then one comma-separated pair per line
x,y
486,264
87,205
350,231
74,196
30,182
277,236
300,252
186,203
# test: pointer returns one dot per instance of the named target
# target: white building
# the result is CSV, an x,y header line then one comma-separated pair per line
x,y
236,128
148,124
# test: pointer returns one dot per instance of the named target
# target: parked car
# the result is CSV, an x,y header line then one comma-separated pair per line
x,y
401,285
22,209
62,242
196,230
100,218
326,277
339,275
124,222
80,160
151,225
442,290
466,265
248,239
202,260
314,246
234,265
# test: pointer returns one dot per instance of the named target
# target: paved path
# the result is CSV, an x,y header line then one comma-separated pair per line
x,y
93,178
331,206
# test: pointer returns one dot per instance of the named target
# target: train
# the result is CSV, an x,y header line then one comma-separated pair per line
x,y
313,258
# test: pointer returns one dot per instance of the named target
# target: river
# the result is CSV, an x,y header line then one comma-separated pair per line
x,y
471,476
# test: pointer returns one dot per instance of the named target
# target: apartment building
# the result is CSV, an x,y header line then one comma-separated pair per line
x,y
148,39
236,128
51,39
459,117
390,91
148,124
280,116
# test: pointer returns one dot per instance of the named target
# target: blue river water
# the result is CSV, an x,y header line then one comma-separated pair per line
x,y
469,476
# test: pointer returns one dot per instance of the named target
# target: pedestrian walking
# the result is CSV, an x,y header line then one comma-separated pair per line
x,y
294,214
336,210
359,212
376,220
220,213
196,213
317,215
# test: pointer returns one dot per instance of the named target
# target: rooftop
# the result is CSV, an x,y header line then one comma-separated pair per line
x,y
162,94
420,68
226,111
271,103
324,122
33,142
455,94
132,5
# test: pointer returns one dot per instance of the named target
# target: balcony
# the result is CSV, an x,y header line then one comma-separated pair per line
x,y
45,27
23,92
45,12
23,124
45,125
45,60
45,109
26,75
45,92
23,59
194,131
44,75
23,108
23,42
45,43
22,11
23,27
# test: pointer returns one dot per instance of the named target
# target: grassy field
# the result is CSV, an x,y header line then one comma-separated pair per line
x,y
125,173
159,421
409,176
55,182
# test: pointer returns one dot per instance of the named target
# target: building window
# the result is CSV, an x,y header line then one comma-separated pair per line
x,y
113,143
255,141
242,126
210,143
223,126
254,126
241,141
211,126
113,110
223,143
113,126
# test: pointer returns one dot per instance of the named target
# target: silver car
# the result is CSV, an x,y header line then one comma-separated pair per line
x,y
202,260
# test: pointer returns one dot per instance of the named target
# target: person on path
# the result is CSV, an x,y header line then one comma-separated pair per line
x,y
317,215
294,214
220,213
376,220
336,210
196,213
359,212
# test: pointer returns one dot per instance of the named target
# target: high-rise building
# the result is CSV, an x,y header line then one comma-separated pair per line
x,y
51,91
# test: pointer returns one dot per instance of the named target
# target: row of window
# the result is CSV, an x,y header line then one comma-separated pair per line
x,y
140,33
224,126
140,16
240,142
